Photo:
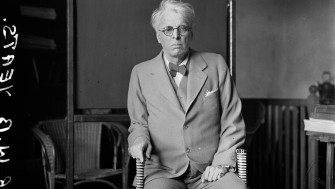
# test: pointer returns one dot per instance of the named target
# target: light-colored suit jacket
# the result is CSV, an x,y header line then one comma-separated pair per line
x,y
207,132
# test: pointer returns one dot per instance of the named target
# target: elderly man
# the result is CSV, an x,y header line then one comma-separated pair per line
x,y
185,112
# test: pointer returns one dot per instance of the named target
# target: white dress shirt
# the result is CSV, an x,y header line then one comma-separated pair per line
x,y
179,76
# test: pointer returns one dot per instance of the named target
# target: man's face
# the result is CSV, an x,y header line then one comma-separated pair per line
x,y
175,46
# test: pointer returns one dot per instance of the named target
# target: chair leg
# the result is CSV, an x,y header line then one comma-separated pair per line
x,y
51,180
125,177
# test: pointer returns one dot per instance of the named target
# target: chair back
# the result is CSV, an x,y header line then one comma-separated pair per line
x,y
87,144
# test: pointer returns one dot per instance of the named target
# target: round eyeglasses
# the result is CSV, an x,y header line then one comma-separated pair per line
x,y
182,30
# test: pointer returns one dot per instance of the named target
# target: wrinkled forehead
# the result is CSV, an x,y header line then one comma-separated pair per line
x,y
171,18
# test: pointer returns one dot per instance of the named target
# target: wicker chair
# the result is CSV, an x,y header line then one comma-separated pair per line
x,y
87,152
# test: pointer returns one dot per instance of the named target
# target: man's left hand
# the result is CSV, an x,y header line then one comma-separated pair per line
x,y
213,173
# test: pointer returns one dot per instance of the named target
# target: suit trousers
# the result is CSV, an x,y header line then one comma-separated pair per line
x,y
192,180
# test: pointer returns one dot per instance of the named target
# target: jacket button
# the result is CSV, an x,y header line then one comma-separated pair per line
x,y
188,150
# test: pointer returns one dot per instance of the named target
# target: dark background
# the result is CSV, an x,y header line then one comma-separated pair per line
x,y
113,36
110,38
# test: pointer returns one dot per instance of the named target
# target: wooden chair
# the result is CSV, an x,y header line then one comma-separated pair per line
x,y
87,152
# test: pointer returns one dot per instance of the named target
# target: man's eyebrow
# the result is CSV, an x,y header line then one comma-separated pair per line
x,y
167,27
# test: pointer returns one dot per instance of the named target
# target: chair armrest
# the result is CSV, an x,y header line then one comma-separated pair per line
x,y
48,148
242,164
139,179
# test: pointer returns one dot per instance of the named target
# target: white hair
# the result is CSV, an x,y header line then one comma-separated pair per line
x,y
186,10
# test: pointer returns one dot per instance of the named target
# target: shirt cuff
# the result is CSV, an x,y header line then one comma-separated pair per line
x,y
230,168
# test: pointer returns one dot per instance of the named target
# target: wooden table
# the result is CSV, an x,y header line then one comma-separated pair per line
x,y
314,137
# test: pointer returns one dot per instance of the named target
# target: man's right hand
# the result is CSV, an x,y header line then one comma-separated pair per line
x,y
139,146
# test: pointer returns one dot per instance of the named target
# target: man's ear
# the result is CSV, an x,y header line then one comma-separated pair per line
x,y
158,37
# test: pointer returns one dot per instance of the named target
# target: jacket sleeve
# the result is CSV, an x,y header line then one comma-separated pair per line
x,y
137,109
232,133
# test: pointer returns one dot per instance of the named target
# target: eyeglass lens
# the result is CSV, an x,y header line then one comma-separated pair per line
x,y
182,30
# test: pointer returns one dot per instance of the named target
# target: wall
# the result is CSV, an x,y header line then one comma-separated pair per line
x,y
113,36
283,47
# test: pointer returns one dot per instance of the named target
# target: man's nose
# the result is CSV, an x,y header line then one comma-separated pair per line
x,y
176,34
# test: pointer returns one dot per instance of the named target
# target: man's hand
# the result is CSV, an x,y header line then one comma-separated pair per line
x,y
213,173
140,145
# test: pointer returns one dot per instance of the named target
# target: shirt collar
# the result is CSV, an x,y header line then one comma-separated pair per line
x,y
184,62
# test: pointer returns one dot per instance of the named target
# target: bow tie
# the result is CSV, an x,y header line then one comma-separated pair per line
x,y
175,68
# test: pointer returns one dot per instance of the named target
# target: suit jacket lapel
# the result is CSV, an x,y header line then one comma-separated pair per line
x,y
162,80
196,77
